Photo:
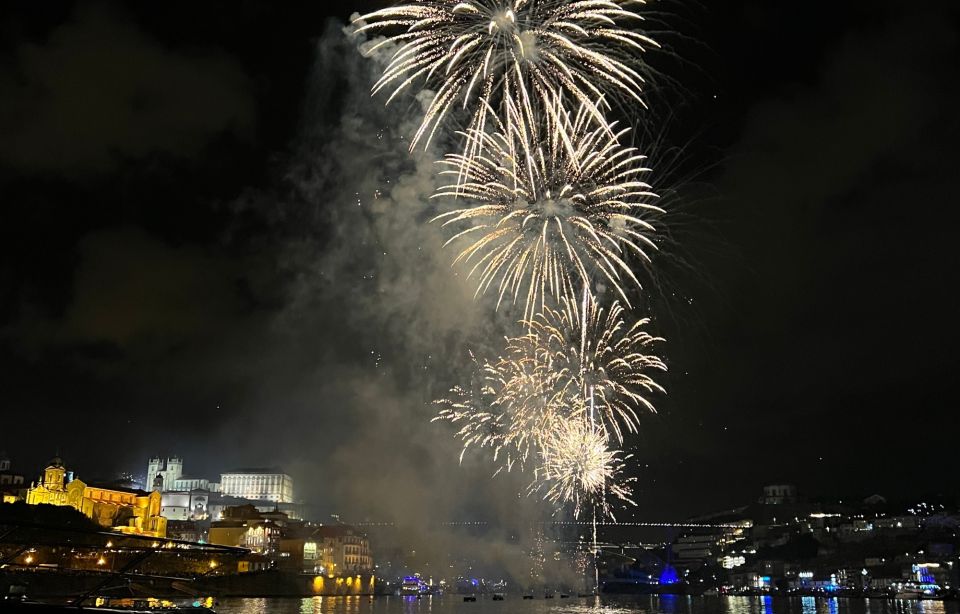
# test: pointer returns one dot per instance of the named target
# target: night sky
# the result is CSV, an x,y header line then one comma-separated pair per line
x,y
192,261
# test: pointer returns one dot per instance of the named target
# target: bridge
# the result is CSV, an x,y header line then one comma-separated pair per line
x,y
582,523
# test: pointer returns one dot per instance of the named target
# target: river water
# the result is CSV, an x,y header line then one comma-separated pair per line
x,y
513,604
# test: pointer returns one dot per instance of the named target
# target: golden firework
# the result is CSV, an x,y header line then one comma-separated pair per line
x,y
545,209
476,54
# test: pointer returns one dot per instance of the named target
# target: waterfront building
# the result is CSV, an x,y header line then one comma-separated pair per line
x,y
125,510
258,485
330,549
169,471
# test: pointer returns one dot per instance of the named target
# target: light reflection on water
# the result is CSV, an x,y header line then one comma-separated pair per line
x,y
513,604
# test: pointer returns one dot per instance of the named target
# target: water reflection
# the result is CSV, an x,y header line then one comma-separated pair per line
x,y
667,604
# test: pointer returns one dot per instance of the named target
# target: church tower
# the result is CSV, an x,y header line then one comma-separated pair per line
x,y
53,475
174,471
154,467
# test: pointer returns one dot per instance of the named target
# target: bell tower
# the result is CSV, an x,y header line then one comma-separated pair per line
x,y
54,474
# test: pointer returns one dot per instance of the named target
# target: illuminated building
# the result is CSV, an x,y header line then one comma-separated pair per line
x,y
349,549
169,471
128,511
337,549
187,505
183,484
258,485
245,526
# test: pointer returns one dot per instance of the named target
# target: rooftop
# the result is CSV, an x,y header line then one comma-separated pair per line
x,y
256,471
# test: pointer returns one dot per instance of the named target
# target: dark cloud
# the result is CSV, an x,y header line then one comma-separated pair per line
x,y
99,90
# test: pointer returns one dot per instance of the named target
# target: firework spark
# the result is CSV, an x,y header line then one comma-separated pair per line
x,y
596,355
548,207
478,53
512,403
578,466
575,368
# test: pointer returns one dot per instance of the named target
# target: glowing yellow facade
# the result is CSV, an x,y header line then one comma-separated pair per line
x,y
132,512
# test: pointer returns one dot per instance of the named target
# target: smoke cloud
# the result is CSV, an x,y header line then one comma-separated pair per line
x,y
381,325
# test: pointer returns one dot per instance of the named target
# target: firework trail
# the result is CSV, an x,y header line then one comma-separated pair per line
x,y
546,208
479,53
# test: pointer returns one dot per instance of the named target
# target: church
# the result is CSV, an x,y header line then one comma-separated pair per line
x,y
125,510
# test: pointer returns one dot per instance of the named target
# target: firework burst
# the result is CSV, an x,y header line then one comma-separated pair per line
x,y
578,467
479,53
557,397
546,208
512,402
595,355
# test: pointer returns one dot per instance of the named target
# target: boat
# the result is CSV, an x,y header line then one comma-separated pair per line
x,y
414,585
908,592
918,590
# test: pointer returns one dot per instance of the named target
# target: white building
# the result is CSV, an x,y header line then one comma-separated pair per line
x,y
191,483
184,505
258,485
169,470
